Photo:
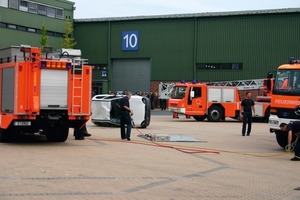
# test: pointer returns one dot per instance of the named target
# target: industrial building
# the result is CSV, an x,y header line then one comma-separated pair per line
x,y
136,53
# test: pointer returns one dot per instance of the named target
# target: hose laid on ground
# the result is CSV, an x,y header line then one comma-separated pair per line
x,y
191,150
205,150
184,149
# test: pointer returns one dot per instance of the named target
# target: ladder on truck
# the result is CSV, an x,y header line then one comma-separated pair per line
x,y
240,84
77,86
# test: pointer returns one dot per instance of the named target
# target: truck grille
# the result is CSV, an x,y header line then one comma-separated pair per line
x,y
287,113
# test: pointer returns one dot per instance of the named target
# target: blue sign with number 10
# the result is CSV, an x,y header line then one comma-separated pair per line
x,y
130,40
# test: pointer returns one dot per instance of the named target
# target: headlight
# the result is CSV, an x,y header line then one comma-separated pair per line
x,y
273,122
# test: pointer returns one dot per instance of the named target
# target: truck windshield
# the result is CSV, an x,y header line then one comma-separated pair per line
x,y
287,82
178,92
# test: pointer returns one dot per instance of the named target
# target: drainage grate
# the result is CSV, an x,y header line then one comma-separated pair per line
x,y
298,188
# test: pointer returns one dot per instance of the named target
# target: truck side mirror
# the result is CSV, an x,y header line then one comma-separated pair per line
x,y
270,75
192,94
267,83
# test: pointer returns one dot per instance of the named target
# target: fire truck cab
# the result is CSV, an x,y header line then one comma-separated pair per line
x,y
285,101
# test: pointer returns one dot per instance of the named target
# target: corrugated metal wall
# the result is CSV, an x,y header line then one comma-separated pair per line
x,y
176,46
168,43
260,42
93,40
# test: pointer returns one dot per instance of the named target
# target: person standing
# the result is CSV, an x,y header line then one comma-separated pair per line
x,y
247,106
126,113
81,132
292,128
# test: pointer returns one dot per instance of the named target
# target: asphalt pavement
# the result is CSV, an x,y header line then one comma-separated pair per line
x,y
224,165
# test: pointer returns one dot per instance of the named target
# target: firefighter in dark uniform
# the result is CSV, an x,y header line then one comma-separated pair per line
x,y
247,106
126,113
293,128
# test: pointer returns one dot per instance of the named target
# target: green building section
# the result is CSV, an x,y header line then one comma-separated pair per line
x,y
21,25
206,47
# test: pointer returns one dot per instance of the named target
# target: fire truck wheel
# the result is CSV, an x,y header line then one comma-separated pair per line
x,y
215,114
57,134
267,115
4,136
282,137
97,123
199,118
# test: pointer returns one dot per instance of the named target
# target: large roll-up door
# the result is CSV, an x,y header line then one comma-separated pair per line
x,y
54,89
131,75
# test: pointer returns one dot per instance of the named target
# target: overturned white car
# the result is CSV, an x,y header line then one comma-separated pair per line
x,y
106,111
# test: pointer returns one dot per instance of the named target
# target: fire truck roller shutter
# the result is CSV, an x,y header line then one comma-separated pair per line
x,y
54,89
131,74
8,90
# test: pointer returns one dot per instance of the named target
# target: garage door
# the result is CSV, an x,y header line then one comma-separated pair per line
x,y
131,74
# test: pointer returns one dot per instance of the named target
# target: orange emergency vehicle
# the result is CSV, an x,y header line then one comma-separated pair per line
x,y
212,102
285,101
39,94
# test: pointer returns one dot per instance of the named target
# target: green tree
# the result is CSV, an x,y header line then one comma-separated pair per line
x,y
69,41
44,37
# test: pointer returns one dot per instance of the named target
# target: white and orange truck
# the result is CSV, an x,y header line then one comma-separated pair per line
x,y
285,101
215,103
43,95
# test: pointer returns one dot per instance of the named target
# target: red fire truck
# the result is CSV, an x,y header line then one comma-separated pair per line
x,y
212,102
45,95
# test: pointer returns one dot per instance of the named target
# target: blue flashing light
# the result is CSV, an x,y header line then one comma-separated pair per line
x,y
43,64
194,81
292,60
182,81
69,65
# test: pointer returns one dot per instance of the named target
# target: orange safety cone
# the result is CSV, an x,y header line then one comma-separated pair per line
x,y
175,115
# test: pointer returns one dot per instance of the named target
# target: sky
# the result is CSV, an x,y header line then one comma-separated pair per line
x,y
126,8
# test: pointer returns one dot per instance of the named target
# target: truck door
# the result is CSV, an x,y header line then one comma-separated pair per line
x,y
196,101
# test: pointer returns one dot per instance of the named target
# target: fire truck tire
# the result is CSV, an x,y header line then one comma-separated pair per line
x,y
57,134
97,123
199,118
215,114
282,137
267,115
4,135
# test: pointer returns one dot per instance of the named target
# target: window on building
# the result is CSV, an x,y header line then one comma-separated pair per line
x,y
32,30
22,28
4,3
35,8
50,33
13,4
23,6
220,66
51,12
32,8
58,34
41,9
11,26
2,25
59,13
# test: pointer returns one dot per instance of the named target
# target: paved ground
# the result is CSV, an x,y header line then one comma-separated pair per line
x,y
105,167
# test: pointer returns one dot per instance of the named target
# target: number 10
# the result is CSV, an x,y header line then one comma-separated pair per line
x,y
130,40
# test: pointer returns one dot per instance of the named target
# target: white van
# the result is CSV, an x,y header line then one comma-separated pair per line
x,y
106,111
